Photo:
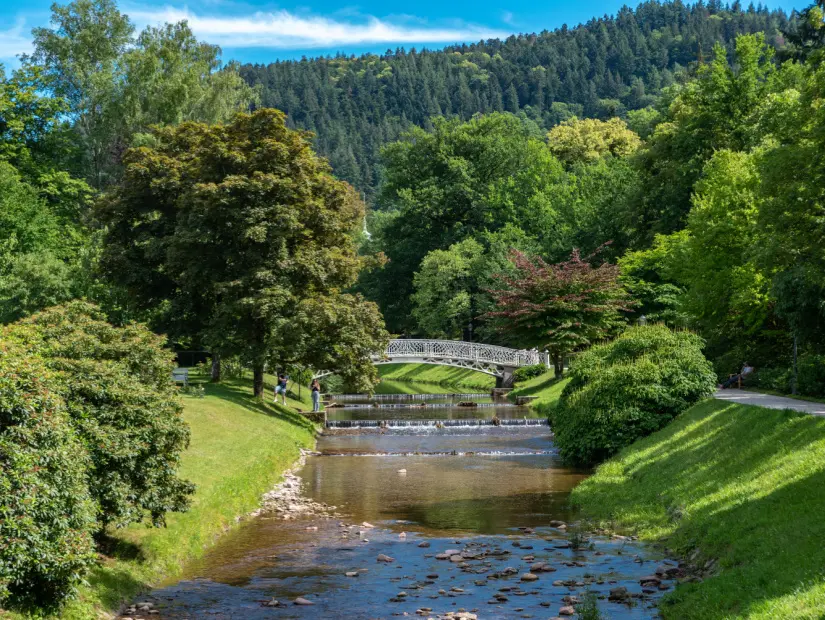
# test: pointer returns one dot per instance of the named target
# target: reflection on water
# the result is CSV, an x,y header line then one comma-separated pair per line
x,y
491,492
468,494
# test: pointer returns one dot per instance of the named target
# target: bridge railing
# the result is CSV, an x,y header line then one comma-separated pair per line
x,y
455,349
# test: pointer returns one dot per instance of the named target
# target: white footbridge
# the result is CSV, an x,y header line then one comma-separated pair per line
x,y
499,362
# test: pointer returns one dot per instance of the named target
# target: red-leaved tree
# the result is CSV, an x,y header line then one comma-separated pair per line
x,y
561,308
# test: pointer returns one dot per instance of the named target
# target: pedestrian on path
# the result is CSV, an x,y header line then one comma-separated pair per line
x,y
315,387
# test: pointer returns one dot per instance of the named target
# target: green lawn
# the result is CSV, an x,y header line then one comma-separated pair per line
x,y
447,376
545,388
743,485
239,449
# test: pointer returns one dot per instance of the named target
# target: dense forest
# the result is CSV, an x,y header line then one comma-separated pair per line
x,y
604,68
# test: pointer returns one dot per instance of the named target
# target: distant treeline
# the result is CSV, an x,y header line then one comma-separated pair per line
x,y
600,69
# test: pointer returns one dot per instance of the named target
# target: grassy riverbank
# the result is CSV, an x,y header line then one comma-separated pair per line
x,y
742,488
545,388
239,449
445,376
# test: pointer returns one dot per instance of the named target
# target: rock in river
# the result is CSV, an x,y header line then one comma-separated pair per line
x,y
384,558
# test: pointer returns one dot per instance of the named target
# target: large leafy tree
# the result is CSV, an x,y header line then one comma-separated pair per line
x,y
242,233
585,140
454,182
115,84
562,307
718,110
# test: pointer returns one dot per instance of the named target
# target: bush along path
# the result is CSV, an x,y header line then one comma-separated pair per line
x,y
736,491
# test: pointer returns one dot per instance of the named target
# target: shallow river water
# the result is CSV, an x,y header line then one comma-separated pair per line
x,y
488,492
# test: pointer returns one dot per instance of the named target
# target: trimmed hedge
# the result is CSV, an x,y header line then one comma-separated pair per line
x,y
628,388
46,513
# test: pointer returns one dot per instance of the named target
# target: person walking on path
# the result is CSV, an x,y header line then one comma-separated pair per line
x,y
315,387
280,388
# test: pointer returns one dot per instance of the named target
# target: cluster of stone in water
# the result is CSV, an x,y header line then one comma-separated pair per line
x,y
482,553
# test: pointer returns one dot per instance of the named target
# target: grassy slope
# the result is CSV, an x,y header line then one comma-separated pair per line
x,y
239,449
745,485
544,387
438,375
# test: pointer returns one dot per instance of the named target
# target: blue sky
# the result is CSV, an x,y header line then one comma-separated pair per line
x,y
262,31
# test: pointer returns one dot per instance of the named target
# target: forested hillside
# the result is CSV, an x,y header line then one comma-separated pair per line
x,y
600,69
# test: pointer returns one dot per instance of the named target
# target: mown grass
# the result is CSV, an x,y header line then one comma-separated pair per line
x,y
388,386
546,388
239,449
438,375
744,486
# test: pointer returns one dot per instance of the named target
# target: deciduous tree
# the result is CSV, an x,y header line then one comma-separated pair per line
x,y
562,307
242,232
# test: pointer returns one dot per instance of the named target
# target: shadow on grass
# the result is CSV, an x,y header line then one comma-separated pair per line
x,y
744,486
239,392
532,390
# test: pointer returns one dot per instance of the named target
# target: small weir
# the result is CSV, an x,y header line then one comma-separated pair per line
x,y
460,423
482,482
403,397
474,405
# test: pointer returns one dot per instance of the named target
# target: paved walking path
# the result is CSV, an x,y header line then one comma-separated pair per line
x,y
745,397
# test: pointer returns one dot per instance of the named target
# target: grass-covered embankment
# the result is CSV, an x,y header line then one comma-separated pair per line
x,y
239,449
445,376
546,388
745,486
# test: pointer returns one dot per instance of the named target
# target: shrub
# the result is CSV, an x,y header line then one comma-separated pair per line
x,y
116,382
46,514
626,389
774,379
811,375
526,373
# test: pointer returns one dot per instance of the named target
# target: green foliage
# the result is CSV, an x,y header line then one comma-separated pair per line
x,y
628,388
117,388
26,222
115,85
597,69
46,515
582,141
455,182
252,189
646,276
35,281
445,286
811,375
525,373
718,110
561,308
774,379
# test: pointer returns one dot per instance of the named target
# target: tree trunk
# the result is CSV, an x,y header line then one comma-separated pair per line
x,y
258,380
216,367
558,364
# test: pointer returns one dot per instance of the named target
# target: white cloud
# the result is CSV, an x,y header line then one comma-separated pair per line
x,y
507,17
16,40
282,29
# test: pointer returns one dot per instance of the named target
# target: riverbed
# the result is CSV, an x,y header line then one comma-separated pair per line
x,y
432,520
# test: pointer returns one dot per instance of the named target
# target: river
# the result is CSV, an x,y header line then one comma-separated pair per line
x,y
410,487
